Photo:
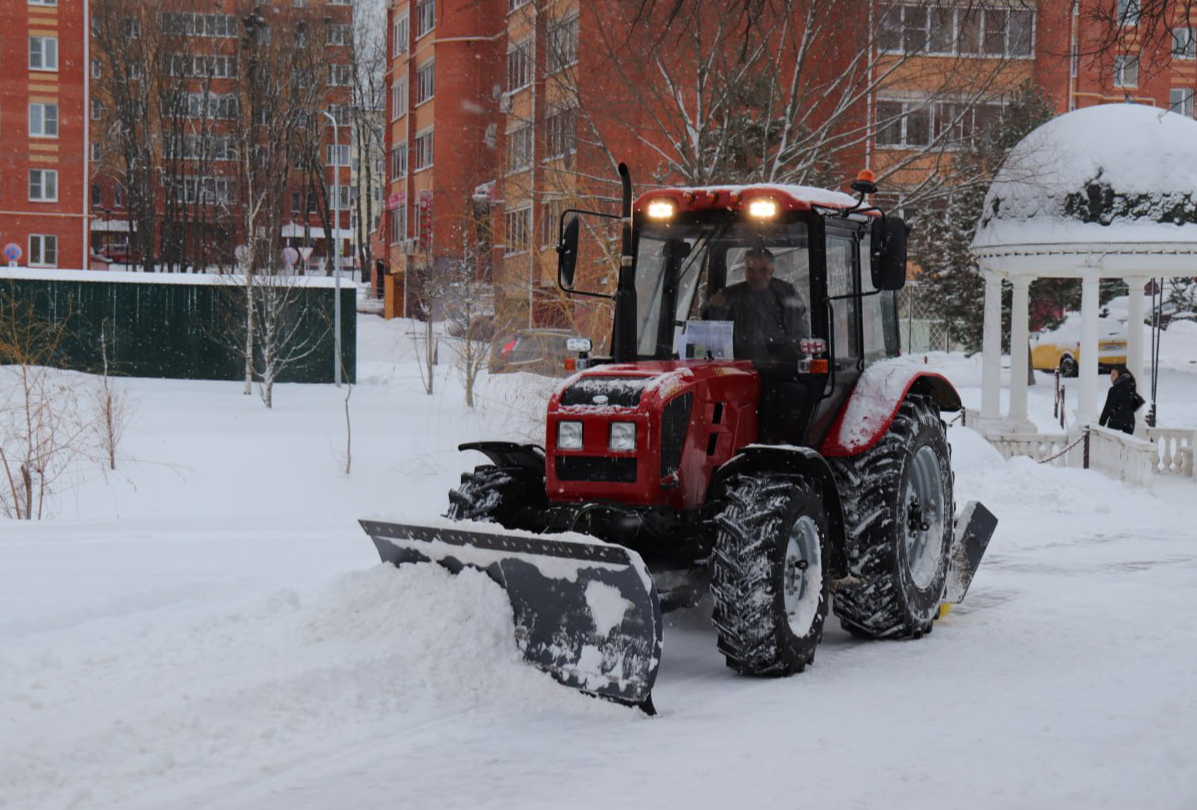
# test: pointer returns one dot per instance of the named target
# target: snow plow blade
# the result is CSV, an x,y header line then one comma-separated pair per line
x,y
585,611
970,537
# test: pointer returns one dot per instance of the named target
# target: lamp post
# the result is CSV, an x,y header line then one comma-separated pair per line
x,y
336,232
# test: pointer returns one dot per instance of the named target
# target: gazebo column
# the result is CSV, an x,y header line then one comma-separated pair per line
x,y
1134,329
1020,335
1087,408
991,350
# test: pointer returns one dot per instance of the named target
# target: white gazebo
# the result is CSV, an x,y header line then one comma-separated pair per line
x,y
1103,192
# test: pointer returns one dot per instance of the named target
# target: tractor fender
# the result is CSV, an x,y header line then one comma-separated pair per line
x,y
528,457
802,461
870,409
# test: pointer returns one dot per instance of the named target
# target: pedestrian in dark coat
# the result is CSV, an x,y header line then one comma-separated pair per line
x,y
1121,402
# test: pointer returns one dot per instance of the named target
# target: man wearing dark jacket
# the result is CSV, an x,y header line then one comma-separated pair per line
x,y
769,315
1121,402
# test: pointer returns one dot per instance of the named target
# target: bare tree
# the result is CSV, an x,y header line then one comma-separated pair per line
x,y
41,428
111,403
286,329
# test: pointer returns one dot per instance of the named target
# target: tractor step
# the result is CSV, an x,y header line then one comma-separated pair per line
x,y
585,611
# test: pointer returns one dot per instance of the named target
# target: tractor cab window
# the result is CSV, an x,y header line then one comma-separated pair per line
x,y
757,279
878,312
841,281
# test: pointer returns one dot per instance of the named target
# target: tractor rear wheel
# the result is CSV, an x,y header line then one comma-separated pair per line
x,y
769,583
898,509
494,494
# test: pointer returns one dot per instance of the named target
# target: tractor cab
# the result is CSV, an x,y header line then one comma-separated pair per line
x,y
799,282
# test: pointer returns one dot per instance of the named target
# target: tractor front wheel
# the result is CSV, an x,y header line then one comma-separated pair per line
x,y
769,583
898,508
494,494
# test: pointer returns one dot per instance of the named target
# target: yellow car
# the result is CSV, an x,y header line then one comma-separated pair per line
x,y
1061,347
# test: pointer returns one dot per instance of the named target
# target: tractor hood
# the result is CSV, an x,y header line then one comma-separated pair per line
x,y
687,417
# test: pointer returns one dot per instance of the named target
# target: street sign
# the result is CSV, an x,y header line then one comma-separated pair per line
x,y
290,256
12,252
305,253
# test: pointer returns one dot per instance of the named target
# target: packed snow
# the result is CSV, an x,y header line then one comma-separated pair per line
x,y
208,627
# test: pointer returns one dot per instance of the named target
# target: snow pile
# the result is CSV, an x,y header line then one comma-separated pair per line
x,y
1111,173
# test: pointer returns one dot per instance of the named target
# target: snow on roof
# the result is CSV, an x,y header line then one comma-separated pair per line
x,y
1110,174
809,194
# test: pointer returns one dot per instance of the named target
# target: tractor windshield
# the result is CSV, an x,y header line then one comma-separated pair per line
x,y
749,279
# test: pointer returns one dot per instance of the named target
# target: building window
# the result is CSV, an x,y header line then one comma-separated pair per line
x,y
1126,71
199,25
43,250
425,82
425,17
340,75
398,98
971,30
43,2
399,161
1180,100
43,53
562,43
339,35
512,5
422,148
205,191
97,109
95,68
1128,12
95,150
97,197
550,221
399,36
398,224
341,113
559,134
519,149
518,228
341,197
336,154
1184,46
519,66
43,120
43,185
903,123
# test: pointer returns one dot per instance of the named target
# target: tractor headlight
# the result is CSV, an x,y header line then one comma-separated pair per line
x,y
661,209
569,435
762,209
623,437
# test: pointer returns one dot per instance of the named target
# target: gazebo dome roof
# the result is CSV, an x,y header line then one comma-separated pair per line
x,y
1106,180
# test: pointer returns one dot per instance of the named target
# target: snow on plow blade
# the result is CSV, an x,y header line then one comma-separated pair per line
x,y
585,611
970,537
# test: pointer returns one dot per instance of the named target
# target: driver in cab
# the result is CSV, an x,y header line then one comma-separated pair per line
x,y
769,315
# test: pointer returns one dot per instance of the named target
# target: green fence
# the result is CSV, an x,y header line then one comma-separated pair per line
x,y
182,326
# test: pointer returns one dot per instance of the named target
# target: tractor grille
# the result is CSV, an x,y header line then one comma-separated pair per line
x,y
596,468
674,422
621,392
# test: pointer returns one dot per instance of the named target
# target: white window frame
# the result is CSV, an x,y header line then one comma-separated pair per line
x,y
38,242
43,187
43,120
519,150
561,44
96,151
399,36
1184,44
43,2
425,17
340,75
1126,70
1128,12
930,20
399,161
399,98
398,224
338,152
47,47
519,65
425,82
1180,101
517,230
422,156
561,133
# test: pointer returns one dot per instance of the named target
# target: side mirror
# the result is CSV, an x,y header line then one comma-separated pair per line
x,y
888,244
567,253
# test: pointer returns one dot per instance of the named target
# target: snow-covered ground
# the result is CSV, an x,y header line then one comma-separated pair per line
x,y
209,628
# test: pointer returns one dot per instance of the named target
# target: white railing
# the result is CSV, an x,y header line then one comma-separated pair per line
x,y
1119,454
1038,446
1174,451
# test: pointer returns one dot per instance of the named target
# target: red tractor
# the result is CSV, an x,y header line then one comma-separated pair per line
x,y
753,435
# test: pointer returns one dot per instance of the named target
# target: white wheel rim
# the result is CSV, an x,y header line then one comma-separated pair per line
x,y
924,517
802,576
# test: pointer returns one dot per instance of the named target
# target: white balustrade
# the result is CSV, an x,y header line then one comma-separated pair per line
x,y
1174,451
1119,454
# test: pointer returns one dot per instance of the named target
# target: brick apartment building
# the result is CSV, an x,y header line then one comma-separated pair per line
x,y
64,189
504,86
44,132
